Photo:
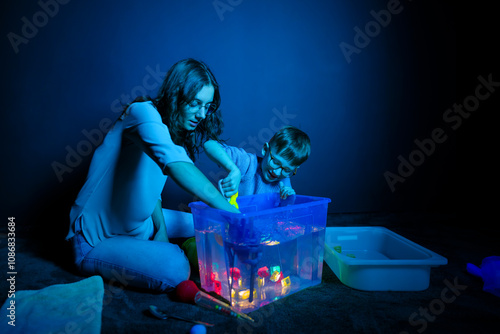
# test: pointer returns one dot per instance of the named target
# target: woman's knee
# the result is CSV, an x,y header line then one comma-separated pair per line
x,y
153,265
179,270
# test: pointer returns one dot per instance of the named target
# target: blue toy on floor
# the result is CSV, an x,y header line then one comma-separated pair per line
x,y
489,272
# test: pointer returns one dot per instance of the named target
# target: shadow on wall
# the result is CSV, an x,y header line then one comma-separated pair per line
x,y
46,223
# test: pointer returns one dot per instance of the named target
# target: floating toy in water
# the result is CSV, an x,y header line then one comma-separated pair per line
x,y
263,272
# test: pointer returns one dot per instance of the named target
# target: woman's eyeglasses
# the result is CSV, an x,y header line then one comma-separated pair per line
x,y
196,106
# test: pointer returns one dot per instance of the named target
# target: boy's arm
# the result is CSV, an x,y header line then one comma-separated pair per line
x,y
192,180
218,155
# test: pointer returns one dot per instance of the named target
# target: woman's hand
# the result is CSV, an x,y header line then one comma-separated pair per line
x,y
231,183
286,191
192,180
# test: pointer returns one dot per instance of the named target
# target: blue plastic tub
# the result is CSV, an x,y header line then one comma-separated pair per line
x,y
273,248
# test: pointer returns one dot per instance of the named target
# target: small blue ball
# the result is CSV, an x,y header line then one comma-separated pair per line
x,y
198,329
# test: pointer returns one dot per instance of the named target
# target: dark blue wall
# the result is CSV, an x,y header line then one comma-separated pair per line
x,y
363,97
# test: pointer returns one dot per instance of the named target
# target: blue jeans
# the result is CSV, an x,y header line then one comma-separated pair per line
x,y
126,261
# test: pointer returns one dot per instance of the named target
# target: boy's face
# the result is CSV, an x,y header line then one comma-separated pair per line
x,y
274,166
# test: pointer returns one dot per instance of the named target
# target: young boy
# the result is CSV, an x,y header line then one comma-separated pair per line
x,y
249,174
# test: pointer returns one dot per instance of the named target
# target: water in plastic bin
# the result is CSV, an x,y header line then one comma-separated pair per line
x,y
261,258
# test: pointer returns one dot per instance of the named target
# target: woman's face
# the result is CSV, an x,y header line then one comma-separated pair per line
x,y
195,111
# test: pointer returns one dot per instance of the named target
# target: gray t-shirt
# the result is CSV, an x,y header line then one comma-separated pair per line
x,y
252,181
126,177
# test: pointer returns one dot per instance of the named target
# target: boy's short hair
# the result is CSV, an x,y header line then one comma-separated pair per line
x,y
292,144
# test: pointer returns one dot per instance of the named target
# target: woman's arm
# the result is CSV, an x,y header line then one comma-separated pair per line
x,y
192,180
218,155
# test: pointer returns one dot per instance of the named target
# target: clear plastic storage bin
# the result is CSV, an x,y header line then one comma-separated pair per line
x,y
374,258
273,248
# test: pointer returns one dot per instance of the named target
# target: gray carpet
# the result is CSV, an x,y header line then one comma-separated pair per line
x,y
330,307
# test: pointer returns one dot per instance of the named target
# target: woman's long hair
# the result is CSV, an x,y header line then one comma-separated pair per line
x,y
183,81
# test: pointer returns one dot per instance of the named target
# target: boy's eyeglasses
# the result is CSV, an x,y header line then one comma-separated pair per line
x,y
274,163
196,106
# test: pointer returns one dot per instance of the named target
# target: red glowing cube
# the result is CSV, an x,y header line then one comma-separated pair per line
x,y
263,272
235,273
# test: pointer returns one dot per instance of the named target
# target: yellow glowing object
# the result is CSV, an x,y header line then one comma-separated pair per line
x,y
238,282
275,277
244,294
286,281
261,281
285,290
233,202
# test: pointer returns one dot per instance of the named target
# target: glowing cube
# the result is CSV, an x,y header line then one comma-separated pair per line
x,y
286,281
217,287
263,272
276,276
235,273
245,294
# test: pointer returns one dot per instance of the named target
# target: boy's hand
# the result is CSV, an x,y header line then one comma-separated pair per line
x,y
231,183
285,191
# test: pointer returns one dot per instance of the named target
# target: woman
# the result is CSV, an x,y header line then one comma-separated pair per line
x,y
118,228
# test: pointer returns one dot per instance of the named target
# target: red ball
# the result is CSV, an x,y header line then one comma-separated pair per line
x,y
186,291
